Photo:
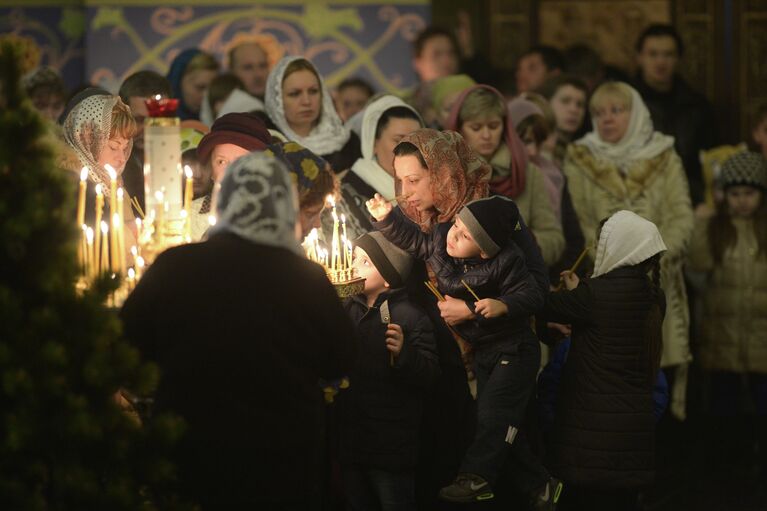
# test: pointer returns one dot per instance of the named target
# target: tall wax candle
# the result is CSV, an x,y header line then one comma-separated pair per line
x,y
81,196
97,226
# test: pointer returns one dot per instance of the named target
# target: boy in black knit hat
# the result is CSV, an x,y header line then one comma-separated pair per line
x,y
397,360
476,255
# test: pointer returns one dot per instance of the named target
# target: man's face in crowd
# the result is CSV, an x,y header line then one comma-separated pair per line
x,y
249,64
658,60
437,60
531,72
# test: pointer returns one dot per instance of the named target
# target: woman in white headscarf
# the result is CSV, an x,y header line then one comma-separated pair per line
x,y
242,327
301,108
383,124
625,164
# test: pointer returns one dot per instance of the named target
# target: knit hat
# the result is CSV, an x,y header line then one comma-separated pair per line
x,y
626,239
242,129
392,262
744,168
491,221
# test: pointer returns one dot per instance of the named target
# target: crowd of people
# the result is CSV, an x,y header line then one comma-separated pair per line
x,y
518,374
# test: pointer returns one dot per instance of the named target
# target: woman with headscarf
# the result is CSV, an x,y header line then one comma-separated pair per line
x,y
625,164
603,443
384,122
190,75
243,373
437,174
98,132
480,114
301,108
313,178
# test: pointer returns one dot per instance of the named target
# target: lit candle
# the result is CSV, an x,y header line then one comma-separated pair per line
x,y
91,269
140,263
121,230
349,254
159,214
84,249
212,220
334,243
104,261
81,196
131,278
115,244
97,225
112,211
189,189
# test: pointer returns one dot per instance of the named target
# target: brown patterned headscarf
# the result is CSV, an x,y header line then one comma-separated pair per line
x,y
458,175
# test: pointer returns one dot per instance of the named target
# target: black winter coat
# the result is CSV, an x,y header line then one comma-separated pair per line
x,y
242,333
687,116
504,277
604,431
380,413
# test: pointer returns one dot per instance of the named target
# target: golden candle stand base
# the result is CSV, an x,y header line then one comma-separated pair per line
x,y
347,288
170,234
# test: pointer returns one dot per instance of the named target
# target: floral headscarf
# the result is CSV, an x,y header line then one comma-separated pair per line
x,y
87,129
256,202
458,175
328,136
303,165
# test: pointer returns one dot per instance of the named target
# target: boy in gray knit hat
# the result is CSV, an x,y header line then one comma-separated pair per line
x,y
489,298
397,360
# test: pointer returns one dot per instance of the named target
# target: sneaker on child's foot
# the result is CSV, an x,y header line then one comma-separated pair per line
x,y
467,488
547,497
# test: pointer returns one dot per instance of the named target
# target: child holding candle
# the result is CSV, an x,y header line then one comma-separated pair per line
x,y
477,254
380,413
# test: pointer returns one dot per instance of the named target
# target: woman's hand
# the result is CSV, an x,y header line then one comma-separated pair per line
x,y
394,339
491,308
570,279
379,207
454,311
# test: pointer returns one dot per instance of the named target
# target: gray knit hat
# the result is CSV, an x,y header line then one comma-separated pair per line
x,y
491,221
744,168
392,262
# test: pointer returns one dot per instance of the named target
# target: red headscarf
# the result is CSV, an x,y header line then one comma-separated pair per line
x,y
514,184
457,175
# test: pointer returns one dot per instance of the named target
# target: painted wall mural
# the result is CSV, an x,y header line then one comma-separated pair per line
x,y
368,40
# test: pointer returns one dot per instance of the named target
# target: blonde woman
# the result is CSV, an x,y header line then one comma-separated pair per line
x,y
625,164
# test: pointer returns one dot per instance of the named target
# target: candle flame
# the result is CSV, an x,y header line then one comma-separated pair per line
x,y
120,193
84,174
158,195
134,251
98,189
212,220
111,170
104,227
183,214
343,218
84,228
138,224
330,200
131,273
158,97
188,171
140,262
89,235
116,219
335,217
313,234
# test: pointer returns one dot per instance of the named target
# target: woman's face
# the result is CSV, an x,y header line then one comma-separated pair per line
x,y
309,217
416,182
302,101
743,201
612,120
569,106
483,134
531,146
383,147
193,87
222,156
115,153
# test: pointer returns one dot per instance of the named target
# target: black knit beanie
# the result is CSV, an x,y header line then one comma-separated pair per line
x,y
491,221
744,168
392,262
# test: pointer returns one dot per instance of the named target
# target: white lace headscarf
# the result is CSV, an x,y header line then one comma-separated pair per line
x,y
328,136
626,239
87,129
640,142
257,202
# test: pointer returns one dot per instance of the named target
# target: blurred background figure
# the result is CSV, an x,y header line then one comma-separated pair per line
x,y
351,96
46,89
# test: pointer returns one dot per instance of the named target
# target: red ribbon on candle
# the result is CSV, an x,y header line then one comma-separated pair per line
x,y
161,107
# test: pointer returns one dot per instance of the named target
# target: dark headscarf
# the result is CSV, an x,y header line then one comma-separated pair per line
x,y
175,74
